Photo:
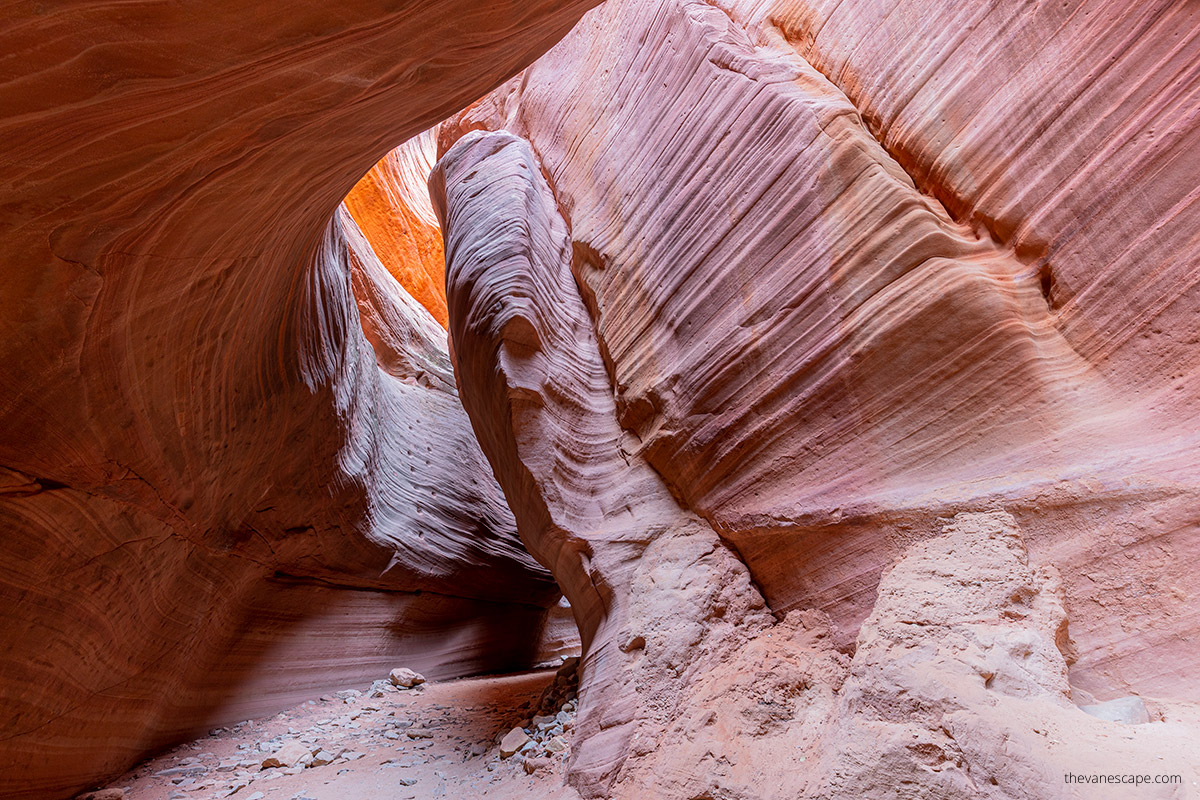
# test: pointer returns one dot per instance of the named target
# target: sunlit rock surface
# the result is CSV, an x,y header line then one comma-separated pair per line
x,y
216,497
391,206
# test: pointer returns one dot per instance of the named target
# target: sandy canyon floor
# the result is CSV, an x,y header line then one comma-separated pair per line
x,y
456,752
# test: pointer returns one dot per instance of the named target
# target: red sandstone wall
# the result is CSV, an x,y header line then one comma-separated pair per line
x,y
204,466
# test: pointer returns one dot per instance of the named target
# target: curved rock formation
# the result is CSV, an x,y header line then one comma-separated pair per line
x,y
778,286
837,358
826,334
645,578
958,686
213,499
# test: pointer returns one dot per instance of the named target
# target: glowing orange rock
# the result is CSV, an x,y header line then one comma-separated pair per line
x,y
391,206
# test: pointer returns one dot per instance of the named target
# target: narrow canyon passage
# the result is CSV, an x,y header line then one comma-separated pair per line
x,y
823,374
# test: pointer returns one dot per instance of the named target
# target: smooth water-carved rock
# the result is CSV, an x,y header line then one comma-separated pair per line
x,y
408,342
658,598
822,352
754,297
213,499
823,359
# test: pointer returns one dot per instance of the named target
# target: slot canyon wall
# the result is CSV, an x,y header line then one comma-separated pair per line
x,y
880,317
217,496
837,359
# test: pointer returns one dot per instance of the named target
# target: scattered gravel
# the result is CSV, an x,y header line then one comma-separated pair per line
x,y
391,740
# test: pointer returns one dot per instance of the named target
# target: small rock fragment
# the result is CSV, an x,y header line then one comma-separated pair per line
x,y
533,764
513,741
290,755
236,786
557,745
405,677
103,794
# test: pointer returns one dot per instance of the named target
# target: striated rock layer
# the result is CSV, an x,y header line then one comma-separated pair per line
x,y
958,686
642,575
217,495
822,355
739,283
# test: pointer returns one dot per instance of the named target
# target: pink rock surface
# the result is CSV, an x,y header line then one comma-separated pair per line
x,y
658,598
958,686
827,331
216,495
824,357
881,318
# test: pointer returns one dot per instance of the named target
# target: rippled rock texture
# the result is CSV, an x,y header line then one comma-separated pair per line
x,y
781,289
216,497
838,358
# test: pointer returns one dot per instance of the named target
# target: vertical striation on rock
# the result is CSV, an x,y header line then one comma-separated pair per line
x,y
1067,131
831,356
822,352
656,595
958,685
